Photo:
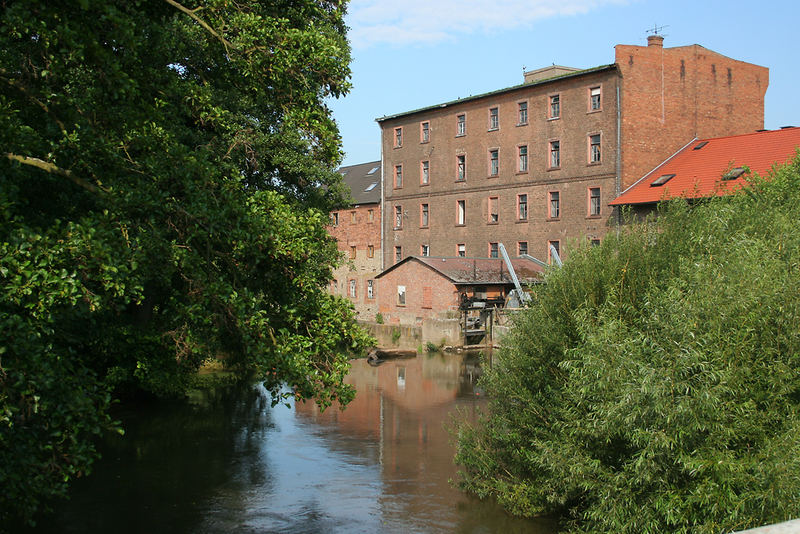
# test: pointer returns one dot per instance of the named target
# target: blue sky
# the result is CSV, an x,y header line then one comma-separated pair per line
x,y
409,54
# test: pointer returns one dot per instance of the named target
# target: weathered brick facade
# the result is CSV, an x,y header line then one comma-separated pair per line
x,y
357,230
454,176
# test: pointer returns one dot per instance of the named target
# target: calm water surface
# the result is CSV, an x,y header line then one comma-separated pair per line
x,y
229,462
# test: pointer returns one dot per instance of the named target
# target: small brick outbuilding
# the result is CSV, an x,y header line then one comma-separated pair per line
x,y
419,288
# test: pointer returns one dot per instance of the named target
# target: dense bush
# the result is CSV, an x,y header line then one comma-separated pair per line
x,y
654,384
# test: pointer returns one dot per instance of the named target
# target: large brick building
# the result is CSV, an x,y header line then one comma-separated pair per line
x,y
357,230
538,163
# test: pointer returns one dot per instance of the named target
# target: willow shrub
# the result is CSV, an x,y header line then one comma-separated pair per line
x,y
653,385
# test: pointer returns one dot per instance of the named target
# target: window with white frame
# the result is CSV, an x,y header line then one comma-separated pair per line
x,y
523,159
493,210
553,246
493,250
461,208
370,289
594,98
425,173
425,250
494,162
461,250
594,148
398,137
423,215
425,132
522,248
522,207
555,205
398,176
461,124
352,289
555,106
555,154
494,118
522,116
398,254
401,295
594,201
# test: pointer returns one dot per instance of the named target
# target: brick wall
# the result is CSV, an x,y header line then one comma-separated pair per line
x,y
671,95
417,279
572,179
359,232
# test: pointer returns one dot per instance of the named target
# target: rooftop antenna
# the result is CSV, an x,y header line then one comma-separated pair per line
x,y
657,30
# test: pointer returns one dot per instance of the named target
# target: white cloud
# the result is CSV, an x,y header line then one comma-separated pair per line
x,y
427,21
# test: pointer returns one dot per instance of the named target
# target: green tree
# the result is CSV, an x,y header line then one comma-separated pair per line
x,y
167,169
654,384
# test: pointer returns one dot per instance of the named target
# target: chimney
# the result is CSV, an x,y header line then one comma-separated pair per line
x,y
655,40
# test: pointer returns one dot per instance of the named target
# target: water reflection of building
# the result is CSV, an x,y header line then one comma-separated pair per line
x,y
406,405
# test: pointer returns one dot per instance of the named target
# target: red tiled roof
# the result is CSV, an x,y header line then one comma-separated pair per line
x,y
476,270
698,173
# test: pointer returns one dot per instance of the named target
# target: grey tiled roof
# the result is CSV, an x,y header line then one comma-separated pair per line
x,y
364,181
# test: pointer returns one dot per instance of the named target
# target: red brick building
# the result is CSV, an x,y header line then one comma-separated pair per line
x,y
357,230
538,163
711,166
419,288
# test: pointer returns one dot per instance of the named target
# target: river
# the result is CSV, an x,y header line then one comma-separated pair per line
x,y
227,461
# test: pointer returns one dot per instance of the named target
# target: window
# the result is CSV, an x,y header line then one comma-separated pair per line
x,y
352,253
734,173
555,205
425,250
370,289
493,250
522,207
401,295
370,216
398,217
423,215
461,124
461,250
494,118
553,246
425,173
398,254
493,215
594,99
555,106
661,180
398,137
523,113
523,159
595,242
494,162
398,176
462,212
594,201
353,217
461,165
370,251
522,248
594,148
335,219
352,289
555,154
425,132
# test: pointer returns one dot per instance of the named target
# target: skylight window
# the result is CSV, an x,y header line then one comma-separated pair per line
x,y
371,186
372,170
700,145
733,173
661,180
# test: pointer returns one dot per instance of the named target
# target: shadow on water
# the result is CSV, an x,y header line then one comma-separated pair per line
x,y
229,462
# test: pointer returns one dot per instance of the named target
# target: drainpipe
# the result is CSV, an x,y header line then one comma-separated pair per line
x,y
618,177
383,204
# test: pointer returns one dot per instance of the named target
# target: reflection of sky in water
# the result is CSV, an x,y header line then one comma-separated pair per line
x,y
229,462
311,487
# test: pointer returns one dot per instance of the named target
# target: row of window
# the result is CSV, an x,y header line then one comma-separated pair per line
x,y
352,288
353,217
493,212
554,110
553,161
493,249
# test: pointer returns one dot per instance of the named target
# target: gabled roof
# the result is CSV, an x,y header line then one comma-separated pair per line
x,y
471,271
707,167
364,181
